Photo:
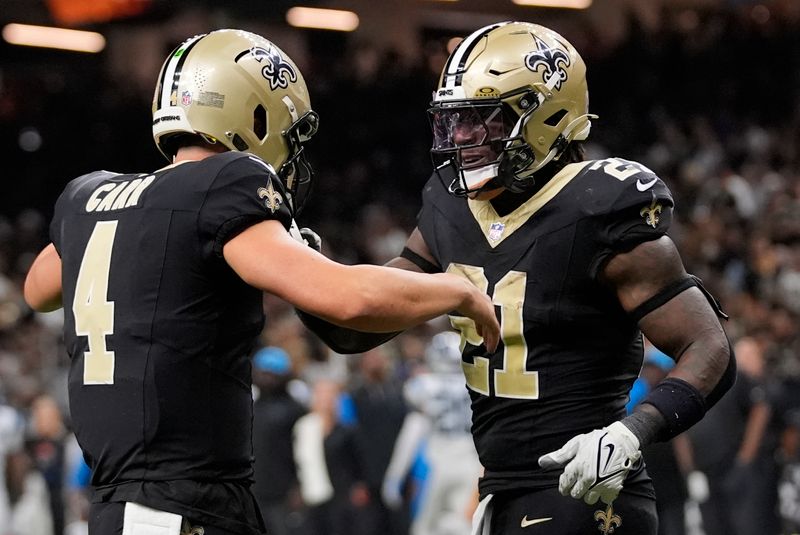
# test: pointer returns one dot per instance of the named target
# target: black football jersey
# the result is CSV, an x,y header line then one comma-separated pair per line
x,y
570,352
159,330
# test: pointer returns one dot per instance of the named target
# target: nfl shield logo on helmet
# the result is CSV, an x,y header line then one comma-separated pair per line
x,y
496,231
186,98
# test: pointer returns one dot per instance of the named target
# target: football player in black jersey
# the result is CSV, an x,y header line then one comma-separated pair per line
x,y
576,257
161,275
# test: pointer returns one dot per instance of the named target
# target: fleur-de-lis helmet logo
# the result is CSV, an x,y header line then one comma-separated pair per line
x,y
276,70
554,60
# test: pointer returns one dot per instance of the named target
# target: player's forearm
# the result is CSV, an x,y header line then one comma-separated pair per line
x,y
703,362
341,339
385,300
705,370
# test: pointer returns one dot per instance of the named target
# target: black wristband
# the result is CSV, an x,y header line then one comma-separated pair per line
x,y
680,403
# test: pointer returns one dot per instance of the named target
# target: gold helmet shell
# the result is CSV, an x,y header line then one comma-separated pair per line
x,y
239,89
536,78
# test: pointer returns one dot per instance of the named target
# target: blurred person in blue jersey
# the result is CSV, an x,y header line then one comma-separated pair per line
x,y
437,428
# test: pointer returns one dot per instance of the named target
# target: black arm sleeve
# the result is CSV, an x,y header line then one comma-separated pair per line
x,y
341,339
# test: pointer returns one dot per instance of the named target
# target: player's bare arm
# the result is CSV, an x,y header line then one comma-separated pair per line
x,y
43,283
363,297
675,314
686,327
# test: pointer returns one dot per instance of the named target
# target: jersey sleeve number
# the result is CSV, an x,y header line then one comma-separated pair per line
x,y
513,380
94,314
620,169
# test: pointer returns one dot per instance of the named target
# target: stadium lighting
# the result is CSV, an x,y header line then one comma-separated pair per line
x,y
569,4
322,19
49,37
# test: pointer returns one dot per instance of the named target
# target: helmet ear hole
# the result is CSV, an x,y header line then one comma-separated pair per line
x,y
260,122
554,119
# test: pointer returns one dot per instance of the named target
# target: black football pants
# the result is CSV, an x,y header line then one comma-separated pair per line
x,y
547,512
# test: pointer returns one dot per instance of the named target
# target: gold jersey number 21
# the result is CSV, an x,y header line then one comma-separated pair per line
x,y
94,314
513,380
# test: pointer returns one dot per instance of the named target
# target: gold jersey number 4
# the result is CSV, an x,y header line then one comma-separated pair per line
x,y
94,314
513,380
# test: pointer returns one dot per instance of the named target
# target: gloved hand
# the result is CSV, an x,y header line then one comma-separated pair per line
x,y
311,238
595,463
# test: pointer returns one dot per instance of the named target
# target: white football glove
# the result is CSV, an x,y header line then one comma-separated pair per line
x,y
595,464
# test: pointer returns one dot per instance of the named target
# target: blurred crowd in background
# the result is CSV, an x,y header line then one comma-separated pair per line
x,y
710,103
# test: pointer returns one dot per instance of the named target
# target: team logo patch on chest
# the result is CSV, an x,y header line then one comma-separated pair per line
x,y
496,231
272,199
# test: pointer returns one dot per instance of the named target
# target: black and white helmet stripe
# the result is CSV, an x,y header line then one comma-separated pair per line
x,y
454,69
171,72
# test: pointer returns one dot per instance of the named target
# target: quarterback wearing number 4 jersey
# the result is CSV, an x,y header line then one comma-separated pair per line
x,y
576,258
130,414
162,274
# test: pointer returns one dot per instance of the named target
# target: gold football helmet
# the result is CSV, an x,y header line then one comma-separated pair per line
x,y
238,89
510,99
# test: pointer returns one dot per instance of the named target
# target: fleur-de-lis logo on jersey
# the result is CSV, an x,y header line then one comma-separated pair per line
x,y
275,69
608,520
272,199
650,213
555,61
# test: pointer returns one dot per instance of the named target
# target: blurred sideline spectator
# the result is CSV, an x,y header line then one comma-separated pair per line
x,y
275,413
380,410
12,428
437,429
45,445
727,449
329,466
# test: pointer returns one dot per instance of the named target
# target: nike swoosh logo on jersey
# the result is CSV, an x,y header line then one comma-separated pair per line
x,y
641,186
525,522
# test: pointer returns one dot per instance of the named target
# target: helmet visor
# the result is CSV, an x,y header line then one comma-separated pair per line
x,y
468,125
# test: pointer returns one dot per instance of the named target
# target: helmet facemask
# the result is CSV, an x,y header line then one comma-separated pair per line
x,y
470,139
296,172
